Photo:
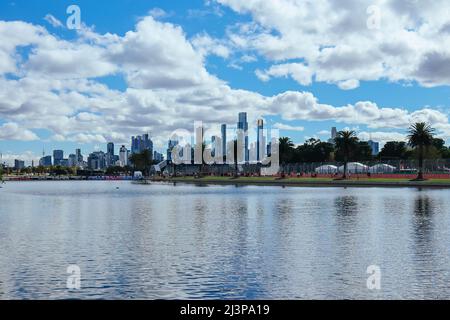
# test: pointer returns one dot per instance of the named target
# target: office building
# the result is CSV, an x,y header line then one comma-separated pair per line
x,y
243,125
123,156
260,141
19,164
333,135
79,156
223,131
158,157
97,160
45,161
141,143
58,156
375,146
72,160
170,146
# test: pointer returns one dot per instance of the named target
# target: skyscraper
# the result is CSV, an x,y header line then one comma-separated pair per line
x,y
375,146
72,160
141,143
19,164
170,146
110,148
123,156
45,161
243,125
79,156
259,140
58,156
333,133
223,131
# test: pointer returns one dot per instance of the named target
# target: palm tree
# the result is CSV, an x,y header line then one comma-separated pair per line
x,y
346,144
420,137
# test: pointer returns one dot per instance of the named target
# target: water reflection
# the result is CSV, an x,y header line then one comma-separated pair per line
x,y
221,242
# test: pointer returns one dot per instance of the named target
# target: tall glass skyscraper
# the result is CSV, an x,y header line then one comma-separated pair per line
x,y
110,148
243,125
58,156
260,141
223,130
141,143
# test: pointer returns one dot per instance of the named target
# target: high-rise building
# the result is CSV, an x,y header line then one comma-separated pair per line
x,y
58,156
141,143
79,156
97,160
260,140
333,133
72,160
110,148
158,157
111,158
170,146
45,161
19,164
243,125
123,156
223,131
375,146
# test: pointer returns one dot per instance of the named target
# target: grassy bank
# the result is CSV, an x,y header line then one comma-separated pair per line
x,y
367,182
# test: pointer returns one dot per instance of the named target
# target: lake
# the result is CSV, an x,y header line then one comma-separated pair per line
x,y
164,241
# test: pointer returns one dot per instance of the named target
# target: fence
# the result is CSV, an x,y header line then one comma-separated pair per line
x,y
439,167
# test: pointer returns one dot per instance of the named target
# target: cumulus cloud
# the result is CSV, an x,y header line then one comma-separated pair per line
x,y
167,87
8,157
12,131
410,42
299,72
287,127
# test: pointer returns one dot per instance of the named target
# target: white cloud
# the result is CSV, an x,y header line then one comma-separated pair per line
x,y
299,72
287,127
206,45
349,84
332,38
157,13
168,87
12,131
27,156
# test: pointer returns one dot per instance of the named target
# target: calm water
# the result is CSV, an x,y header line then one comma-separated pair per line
x,y
222,242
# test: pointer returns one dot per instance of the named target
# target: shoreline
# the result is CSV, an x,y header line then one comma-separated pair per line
x,y
299,182
270,181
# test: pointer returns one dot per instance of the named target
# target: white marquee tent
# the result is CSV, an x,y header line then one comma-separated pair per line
x,y
382,168
355,167
327,169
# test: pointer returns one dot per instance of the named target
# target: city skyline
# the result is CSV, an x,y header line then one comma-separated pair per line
x,y
213,72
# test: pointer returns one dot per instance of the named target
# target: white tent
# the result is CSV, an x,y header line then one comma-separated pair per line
x,y
382,168
327,169
355,167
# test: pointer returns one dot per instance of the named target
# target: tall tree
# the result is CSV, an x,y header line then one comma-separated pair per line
x,y
142,161
420,137
394,150
286,149
346,145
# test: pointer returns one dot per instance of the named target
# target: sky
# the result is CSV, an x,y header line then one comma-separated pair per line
x,y
128,67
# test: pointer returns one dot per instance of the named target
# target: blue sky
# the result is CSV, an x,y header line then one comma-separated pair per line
x,y
220,21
